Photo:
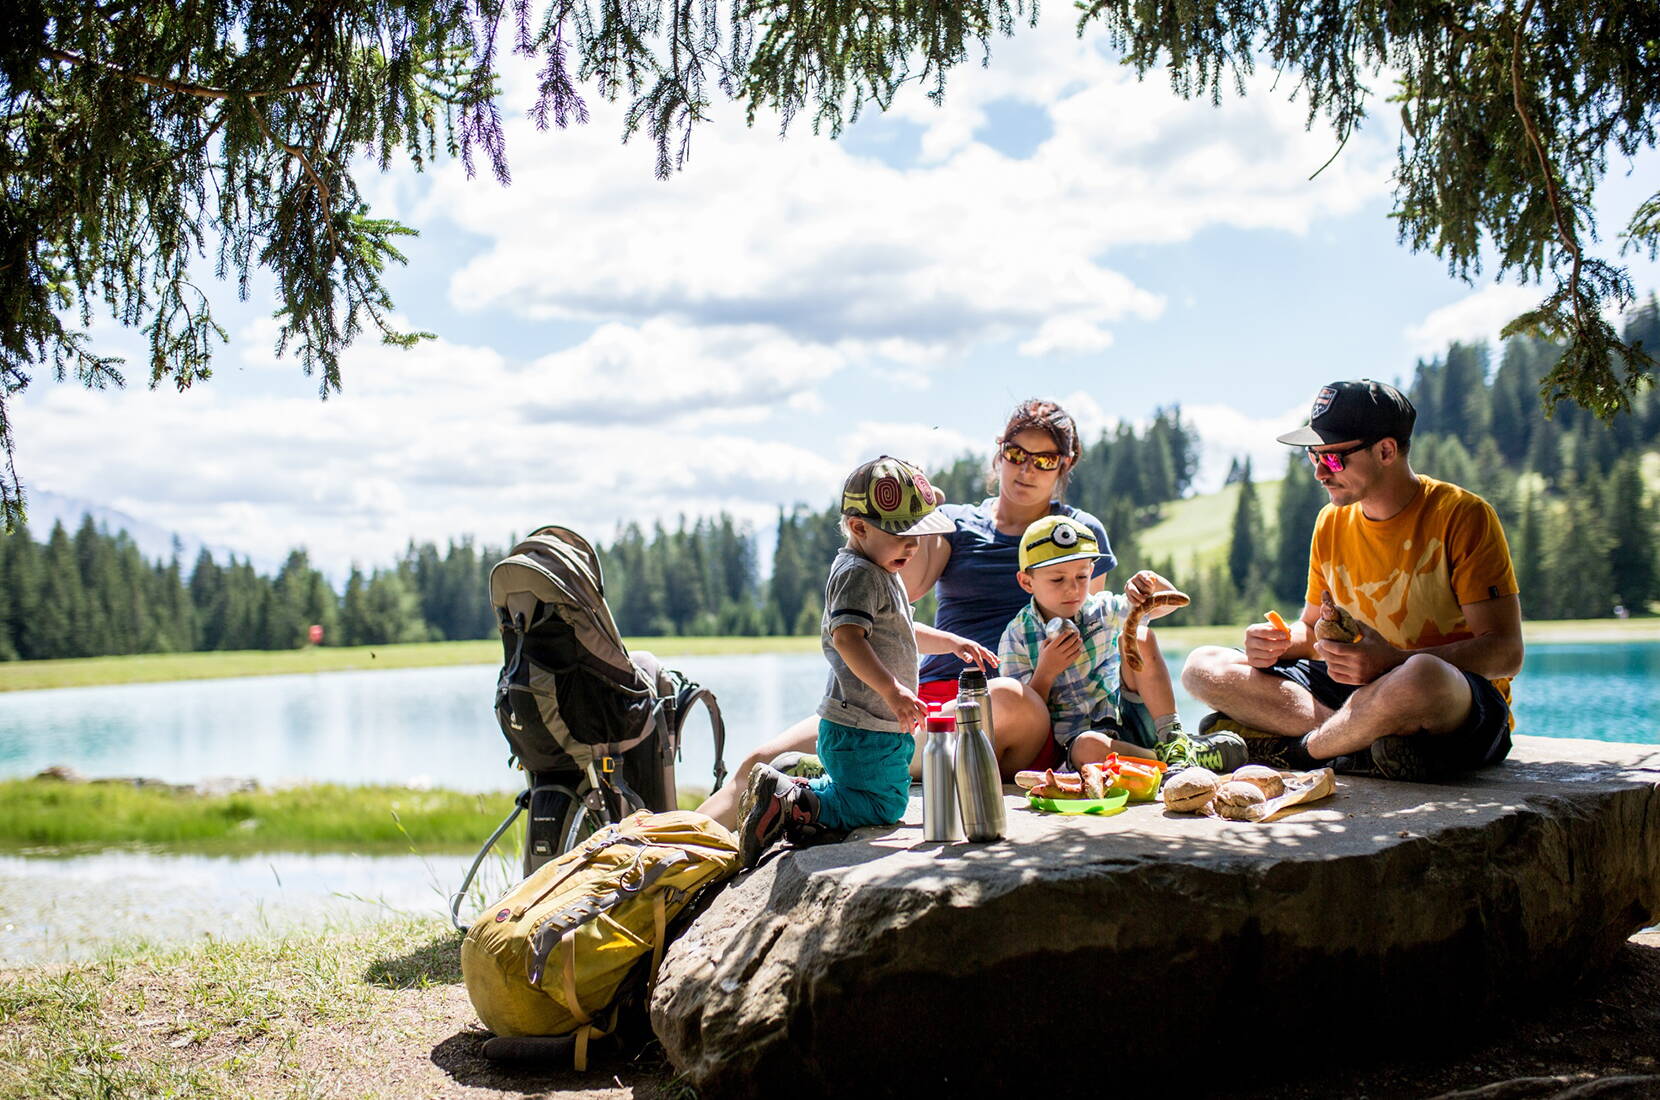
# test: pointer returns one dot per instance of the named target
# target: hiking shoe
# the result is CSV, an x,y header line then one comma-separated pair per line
x,y
1220,752
799,765
1404,759
772,802
1261,747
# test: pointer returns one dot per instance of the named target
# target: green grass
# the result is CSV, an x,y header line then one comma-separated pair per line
x,y
52,815
1196,532
48,813
156,667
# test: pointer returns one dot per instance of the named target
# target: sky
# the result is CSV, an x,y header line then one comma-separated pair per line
x,y
612,347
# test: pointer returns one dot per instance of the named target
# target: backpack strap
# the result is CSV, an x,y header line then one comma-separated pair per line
x,y
696,693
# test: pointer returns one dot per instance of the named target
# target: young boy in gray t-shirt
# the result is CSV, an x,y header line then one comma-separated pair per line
x,y
870,703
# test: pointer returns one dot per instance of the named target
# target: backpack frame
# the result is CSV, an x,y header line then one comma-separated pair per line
x,y
596,729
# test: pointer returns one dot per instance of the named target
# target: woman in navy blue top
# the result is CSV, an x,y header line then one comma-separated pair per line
x,y
973,568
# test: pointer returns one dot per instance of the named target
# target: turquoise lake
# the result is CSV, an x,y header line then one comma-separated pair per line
x,y
436,727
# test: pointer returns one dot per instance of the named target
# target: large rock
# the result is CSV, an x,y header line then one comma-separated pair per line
x,y
886,965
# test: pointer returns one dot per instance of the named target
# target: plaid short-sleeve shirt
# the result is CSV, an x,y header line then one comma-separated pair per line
x,y
1084,696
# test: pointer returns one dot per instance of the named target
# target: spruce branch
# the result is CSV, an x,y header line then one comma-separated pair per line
x,y
180,86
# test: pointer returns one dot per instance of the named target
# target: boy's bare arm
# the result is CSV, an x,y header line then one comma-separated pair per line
x,y
933,640
854,646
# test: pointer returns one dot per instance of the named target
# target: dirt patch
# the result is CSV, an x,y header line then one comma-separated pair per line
x,y
384,1014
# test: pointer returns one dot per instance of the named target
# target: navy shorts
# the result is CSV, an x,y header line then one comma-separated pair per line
x,y
1135,725
1483,739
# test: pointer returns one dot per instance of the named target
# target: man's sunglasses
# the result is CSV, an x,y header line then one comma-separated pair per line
x,y
1015,454
1335,460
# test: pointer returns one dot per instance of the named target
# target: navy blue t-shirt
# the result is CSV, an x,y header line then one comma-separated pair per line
x,y
978,593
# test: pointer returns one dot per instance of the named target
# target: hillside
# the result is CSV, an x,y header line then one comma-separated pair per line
x,y
1198,529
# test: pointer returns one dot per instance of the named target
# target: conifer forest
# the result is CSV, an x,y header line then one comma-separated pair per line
x,y
1570,489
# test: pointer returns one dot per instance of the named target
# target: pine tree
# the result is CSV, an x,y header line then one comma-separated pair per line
x,y
1631,522
1464,405
1577,546
1246,548
1301,499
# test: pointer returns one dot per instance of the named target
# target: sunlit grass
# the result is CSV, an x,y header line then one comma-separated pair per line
x,y
51,814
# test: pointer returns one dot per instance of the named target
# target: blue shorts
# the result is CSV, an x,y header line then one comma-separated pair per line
x,y
867,777
1483,739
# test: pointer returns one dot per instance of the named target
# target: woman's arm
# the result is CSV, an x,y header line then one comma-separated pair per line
x,y
925,566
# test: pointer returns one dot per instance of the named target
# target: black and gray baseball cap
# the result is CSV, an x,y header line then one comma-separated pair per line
x,y
1357,409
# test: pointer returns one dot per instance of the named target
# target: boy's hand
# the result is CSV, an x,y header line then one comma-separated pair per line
x,y
1056,655
907,708
1139,588
969,651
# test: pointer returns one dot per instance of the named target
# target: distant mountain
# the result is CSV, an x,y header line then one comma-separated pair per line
x,y
155,543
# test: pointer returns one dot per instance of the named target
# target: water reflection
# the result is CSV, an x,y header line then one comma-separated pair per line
x,y
55,910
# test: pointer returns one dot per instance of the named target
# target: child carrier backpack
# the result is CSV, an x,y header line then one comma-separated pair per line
x,y
569,947
597,729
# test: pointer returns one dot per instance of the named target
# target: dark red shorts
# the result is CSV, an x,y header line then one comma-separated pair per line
x,y
937,693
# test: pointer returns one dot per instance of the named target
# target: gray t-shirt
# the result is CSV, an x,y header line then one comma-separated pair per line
x,y
864,594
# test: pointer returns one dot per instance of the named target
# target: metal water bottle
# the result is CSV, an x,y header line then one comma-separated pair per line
x,y
939,783
979,786
971,684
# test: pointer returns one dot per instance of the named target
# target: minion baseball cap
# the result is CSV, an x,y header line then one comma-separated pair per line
x,y
1357,409
896,497
1054,539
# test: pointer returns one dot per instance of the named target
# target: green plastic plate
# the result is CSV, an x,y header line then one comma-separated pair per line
x,y
1112,804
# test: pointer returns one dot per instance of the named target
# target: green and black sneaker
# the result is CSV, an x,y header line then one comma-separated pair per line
x,y
1220,752
799,765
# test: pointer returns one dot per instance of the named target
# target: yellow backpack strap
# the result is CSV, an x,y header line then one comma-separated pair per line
x,y
568,973
660,925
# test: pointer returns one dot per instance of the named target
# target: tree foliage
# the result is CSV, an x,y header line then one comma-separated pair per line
x,y
142,137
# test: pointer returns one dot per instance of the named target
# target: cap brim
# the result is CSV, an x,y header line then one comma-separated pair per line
x,y
1304,436
1090,554
934,523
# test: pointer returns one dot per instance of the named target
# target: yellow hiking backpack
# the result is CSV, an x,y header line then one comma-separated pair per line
x,y
554,955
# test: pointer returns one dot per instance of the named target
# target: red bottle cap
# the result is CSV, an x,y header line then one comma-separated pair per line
x,y
941,723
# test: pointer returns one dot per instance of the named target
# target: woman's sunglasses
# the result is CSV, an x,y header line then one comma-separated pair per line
x,y
1015,454
1335,460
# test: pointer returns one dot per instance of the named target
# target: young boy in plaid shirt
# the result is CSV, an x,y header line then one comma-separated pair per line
x,y
1096,707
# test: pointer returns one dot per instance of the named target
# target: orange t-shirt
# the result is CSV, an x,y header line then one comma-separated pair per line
x,y
1407,576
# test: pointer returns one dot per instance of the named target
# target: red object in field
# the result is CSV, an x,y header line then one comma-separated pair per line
x,y
942,723
315,634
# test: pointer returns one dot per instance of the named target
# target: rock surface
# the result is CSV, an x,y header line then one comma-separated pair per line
x,y
887,965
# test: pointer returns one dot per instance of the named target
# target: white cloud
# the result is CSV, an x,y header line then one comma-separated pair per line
x,y
426,444
1477,317
1229,434
841,249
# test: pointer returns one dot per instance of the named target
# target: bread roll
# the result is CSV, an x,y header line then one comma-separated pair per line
x,y
1240,801
1190,789
1266,779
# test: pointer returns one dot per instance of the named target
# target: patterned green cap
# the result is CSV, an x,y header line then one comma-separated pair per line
x,y
894,496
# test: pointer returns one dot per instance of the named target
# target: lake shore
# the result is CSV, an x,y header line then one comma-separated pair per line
x,y
381,1011
163,667
48,816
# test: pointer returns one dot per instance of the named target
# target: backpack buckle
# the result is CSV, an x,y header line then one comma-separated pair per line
x,y
607,764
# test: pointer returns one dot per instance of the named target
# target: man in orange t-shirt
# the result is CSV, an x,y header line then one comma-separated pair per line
x,y
1424,692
